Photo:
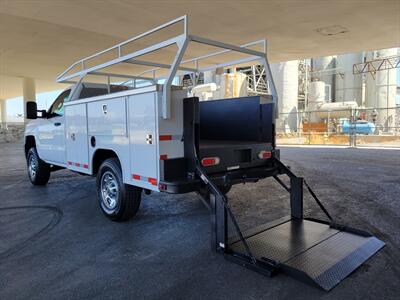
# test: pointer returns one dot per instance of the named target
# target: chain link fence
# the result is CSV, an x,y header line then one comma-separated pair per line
x,y
368,127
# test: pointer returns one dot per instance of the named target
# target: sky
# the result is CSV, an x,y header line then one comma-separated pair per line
x,y
15,105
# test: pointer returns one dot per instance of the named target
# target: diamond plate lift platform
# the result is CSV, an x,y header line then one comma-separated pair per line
x,y
314,251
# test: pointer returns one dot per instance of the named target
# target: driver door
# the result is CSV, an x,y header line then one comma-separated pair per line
x,y
51,132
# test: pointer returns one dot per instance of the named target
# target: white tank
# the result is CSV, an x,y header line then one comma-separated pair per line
x,y
204,91
348,87
286,78
381,91
370,88
316,97
336,110
321,67
316,94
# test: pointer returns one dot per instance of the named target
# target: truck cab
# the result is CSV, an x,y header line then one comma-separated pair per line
x,y
49,131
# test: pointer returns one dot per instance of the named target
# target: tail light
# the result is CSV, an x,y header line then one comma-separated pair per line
x,y
265,154
210,161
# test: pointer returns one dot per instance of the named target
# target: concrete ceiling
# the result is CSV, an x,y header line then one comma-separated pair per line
x,y
40,38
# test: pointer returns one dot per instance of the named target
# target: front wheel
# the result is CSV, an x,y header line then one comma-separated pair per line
x,y
38,170
117,200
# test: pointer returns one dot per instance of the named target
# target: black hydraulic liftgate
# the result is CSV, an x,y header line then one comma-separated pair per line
x,y
317,252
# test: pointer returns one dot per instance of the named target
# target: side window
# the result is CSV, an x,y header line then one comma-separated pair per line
x,y
57,108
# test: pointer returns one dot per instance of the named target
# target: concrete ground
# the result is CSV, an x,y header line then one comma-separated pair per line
x,y
55,243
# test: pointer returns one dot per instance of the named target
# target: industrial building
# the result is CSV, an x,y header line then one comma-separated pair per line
x,y
326,96
268,130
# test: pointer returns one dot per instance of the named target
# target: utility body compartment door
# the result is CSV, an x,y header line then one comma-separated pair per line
x,y
143,137
108,130
77,138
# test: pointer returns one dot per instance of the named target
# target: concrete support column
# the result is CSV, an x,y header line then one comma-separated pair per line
x,y
3,111
29,92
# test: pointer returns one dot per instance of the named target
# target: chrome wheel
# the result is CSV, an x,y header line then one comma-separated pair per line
x,y
109,190
32,166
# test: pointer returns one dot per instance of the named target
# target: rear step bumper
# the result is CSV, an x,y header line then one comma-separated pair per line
x,y
221,179
311,251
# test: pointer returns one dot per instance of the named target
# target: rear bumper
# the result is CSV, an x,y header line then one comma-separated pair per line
x,y
222,179
233,155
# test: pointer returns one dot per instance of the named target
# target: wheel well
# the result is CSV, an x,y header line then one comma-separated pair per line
x,y
29,143
101,155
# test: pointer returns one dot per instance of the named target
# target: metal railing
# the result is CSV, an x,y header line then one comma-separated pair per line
x,y
362,127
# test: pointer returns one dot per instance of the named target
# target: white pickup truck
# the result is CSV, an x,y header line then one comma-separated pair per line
x,y
118,136
143,134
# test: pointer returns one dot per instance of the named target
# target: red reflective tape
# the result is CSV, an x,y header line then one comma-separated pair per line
x,y
77,164
70,163
135,176
153,181
86,166
165,137
163,157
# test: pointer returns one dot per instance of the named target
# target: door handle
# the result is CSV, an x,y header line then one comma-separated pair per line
x,y
57,124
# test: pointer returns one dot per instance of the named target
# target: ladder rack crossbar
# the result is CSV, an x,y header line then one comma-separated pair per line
x,y
132,39
121,59
181,41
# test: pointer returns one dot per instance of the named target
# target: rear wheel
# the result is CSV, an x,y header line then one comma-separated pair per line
x,y
117,200
38,170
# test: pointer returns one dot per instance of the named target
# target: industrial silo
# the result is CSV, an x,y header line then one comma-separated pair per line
x,y
316,97
286,77
348,86
381,90
323,70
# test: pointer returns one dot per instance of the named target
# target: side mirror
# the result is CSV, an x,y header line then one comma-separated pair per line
x,y
31,110
43,113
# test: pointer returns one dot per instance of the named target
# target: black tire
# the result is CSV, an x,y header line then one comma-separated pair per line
x,y
124,202
38,170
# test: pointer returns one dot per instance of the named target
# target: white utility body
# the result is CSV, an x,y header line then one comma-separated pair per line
x,y
129,124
